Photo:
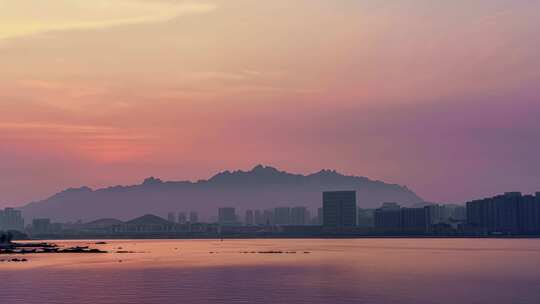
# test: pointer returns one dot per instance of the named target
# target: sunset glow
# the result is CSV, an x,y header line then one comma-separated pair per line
x,y
441,96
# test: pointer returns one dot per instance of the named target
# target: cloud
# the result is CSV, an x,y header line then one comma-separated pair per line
x,y
64,128
27,17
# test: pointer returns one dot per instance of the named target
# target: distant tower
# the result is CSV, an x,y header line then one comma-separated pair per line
x,y
339,209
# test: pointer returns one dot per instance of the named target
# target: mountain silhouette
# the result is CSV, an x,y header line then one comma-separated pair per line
x,y
260,188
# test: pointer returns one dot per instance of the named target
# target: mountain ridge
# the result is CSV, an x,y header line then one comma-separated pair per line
x,y
259,188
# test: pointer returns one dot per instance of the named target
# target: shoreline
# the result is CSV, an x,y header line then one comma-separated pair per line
x,y
244,237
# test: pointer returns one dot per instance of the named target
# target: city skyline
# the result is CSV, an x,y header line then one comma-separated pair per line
x,y
244,151
438,96
508,214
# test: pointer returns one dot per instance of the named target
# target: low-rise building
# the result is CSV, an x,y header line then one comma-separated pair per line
x,y
146,224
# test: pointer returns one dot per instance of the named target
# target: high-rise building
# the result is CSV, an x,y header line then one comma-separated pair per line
x,y
193,217
299,216
182,218
171,217
249,218
227,216
282,216
11,219
536,212
339,209
511,212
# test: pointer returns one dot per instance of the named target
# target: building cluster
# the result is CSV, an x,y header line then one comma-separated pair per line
x,y
393,217
280,216
155,225
510,213
11,219
148,225
45,226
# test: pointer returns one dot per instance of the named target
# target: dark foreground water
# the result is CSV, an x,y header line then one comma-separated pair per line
x,y
377,271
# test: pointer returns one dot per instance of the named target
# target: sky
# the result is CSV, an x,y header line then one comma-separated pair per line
x,y
441,96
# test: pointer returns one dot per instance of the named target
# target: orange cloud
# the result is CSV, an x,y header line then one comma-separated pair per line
x,y
18,16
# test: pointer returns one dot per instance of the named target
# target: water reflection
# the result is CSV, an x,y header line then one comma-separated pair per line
x,y
335,271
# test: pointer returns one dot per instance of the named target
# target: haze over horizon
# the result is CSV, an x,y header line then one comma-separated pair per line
x,y
439,96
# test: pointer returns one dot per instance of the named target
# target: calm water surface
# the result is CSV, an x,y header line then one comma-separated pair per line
x,y
376,271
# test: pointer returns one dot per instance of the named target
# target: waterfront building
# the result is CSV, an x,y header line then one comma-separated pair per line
x,y
339,209
147,224
511,212
100,226
282,216
418,219
388,216
392,217
438,214
182,218
366,218
227,216
11,219
529,214
41,225
171,217
249,218
459,213
193,217
319,218
259,220
299,216
268,217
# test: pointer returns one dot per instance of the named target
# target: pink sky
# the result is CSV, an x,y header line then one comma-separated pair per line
x,y
439,96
